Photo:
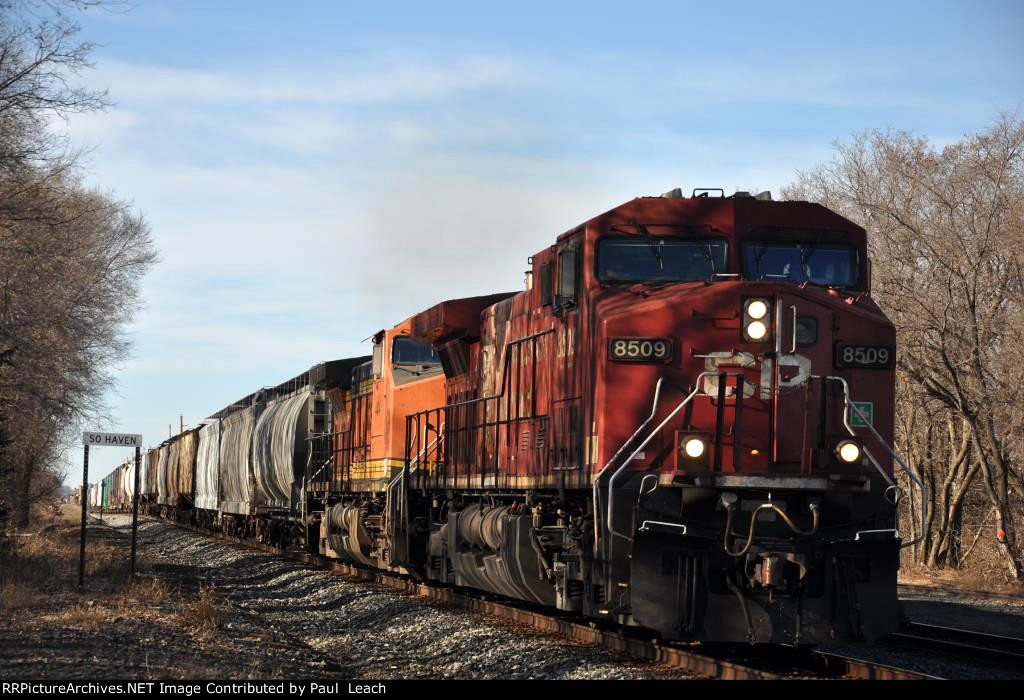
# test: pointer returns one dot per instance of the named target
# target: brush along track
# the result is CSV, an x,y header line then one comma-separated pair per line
x,y
731,662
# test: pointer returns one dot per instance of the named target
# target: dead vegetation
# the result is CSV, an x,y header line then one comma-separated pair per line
x,y
944,232
202,615
72,256
39,576
164,624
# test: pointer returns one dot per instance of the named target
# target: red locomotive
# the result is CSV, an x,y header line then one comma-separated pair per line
x,y
682,423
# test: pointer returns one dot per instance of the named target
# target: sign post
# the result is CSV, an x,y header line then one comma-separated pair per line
x,y
85,506
107,440
135,505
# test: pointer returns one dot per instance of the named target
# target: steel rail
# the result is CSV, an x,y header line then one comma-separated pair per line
x,y
996,650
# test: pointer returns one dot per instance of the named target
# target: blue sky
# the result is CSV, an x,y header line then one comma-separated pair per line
x,y
314,172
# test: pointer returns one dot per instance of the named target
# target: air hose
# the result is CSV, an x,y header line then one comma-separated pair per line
x,y
815,515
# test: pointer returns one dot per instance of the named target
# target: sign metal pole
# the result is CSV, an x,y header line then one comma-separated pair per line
x,y
135,505
85,506
108,440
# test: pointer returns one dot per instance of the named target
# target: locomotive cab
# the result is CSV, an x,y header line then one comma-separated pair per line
x,y
743,412
681,423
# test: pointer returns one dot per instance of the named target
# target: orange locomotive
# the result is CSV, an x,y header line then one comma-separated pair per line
x,y
364,451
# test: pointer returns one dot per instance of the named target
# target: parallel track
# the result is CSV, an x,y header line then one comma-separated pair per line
x,y
732,662
991,649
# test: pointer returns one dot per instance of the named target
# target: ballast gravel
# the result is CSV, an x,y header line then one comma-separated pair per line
x,y
370,631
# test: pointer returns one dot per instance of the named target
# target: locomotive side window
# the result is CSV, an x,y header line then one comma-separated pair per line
x,y
547,278
658,259
566,278
815,263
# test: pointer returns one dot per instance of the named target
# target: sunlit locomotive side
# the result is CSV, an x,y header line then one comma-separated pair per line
x,y
682,423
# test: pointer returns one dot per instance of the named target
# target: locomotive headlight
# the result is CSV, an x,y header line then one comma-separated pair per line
x,y
757,309
756,313
848,451
694,447
756,330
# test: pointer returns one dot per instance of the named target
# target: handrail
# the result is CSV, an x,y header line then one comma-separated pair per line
x,y
504,376
399,475
847,405
677,409
597,477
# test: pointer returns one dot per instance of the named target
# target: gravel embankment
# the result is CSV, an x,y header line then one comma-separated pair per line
x,y
367,630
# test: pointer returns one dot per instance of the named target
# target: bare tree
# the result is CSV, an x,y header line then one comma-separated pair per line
x,y
944,228
71,258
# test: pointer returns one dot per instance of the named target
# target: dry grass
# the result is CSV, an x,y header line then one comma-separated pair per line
x,y
84,617
32,566
69,514
203,615
39,575
16,596
152,591
979,579
147,618
28,566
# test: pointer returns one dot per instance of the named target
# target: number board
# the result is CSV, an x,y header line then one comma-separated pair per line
x,y
640,349
867,356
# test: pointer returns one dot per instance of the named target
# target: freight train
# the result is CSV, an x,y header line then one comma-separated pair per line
x,y
682,423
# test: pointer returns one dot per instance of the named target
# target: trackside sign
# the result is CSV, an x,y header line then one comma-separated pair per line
x,y
111,440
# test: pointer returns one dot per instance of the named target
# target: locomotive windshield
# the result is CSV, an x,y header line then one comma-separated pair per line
x,y
407,351
826,265
658,259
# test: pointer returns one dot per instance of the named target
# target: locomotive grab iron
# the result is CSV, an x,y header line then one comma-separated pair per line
x,y
682,423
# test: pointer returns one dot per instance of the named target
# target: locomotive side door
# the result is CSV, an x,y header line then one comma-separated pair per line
x,y
569,443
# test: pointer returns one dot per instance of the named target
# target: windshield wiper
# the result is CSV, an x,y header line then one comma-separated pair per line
x,y
657,253
805,255
706,249
758,257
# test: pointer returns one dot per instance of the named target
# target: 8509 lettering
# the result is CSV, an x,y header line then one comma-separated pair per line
x,y
640,349
868,356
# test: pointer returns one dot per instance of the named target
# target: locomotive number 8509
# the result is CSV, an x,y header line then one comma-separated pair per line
x,y
640,349
871,356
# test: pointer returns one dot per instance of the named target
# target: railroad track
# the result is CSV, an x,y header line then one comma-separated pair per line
x,y
991,649
727,662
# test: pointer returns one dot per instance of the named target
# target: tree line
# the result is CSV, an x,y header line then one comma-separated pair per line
x,y
946,237
71,257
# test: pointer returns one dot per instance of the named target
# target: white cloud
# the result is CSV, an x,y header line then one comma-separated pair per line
x,y
95,128
381,78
